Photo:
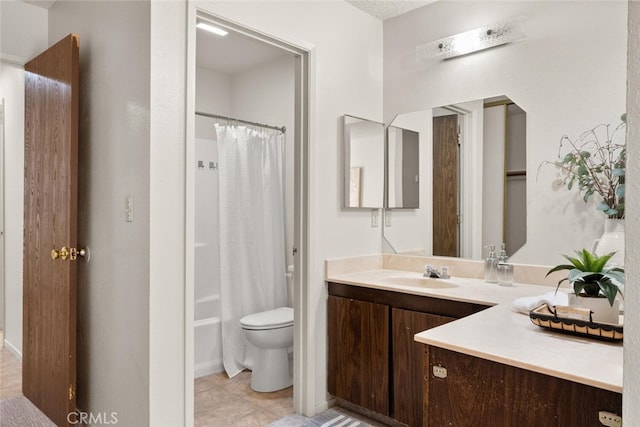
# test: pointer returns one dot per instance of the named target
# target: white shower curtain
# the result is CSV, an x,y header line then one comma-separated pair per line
x,y
251,231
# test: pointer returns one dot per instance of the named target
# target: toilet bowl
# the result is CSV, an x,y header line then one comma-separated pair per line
x,y
271,332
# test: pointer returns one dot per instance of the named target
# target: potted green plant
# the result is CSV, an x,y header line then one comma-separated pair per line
x,y
595,285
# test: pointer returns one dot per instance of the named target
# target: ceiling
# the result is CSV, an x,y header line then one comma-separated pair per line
x,y
236,53
221,53
386,9
233,53
42,3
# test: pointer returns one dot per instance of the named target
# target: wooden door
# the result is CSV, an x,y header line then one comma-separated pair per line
x,y
50,223
408,362
445,185
359,352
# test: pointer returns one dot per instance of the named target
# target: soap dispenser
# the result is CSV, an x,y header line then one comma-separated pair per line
x,y
491,266
502,258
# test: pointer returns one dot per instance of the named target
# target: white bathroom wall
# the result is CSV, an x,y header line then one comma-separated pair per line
x,y
12,90
213,96
631,395
16,47
114,145
568,74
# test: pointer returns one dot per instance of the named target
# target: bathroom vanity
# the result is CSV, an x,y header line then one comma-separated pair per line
x,y
376,327
430,352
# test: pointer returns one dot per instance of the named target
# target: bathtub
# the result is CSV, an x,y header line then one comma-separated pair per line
x,y
207,336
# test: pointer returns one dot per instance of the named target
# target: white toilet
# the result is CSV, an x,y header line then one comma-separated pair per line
x,y
271,332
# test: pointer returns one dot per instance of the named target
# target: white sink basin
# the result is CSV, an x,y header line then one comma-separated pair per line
x,y
423,282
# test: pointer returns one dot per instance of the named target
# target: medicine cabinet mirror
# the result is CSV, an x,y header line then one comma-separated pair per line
x,y
403,168
363,163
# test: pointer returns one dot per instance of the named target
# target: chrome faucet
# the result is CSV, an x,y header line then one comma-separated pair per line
x,y
431,272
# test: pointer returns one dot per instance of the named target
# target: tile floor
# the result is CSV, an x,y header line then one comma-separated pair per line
x,y
219,401
223,401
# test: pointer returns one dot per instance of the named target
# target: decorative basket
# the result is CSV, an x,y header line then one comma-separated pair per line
x,y
546,317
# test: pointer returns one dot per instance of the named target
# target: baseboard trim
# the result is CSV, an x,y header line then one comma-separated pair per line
x,y
17,353
324,406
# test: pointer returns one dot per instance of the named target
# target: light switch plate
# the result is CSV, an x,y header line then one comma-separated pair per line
x,y
374,218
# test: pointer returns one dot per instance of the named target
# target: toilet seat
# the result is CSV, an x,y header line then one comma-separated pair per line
x,y
271,319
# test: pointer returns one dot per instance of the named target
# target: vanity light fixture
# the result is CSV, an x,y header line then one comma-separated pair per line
x,y
472,41
211,28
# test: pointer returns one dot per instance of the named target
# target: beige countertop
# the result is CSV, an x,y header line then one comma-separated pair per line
x,y
499,333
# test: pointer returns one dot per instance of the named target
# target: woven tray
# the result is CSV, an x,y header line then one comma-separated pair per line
x,y
544,317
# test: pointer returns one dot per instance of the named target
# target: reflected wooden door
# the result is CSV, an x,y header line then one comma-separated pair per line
x,y
445,185
50,223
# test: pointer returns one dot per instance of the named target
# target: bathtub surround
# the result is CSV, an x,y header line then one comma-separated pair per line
x,y
207,330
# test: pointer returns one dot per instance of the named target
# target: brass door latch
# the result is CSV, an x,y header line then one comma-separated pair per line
x,y
64,253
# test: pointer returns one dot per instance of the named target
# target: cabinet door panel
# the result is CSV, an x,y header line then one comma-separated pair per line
x,y
471,395
359,352
478,392
408,355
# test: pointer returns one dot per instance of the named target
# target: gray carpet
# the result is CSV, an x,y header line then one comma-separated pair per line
x,y
20,412
328,418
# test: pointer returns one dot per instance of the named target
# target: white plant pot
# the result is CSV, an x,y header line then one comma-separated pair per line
x,y
612,240
602,311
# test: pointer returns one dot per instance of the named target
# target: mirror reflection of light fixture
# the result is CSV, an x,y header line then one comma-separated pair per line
x,y
211,28
472,41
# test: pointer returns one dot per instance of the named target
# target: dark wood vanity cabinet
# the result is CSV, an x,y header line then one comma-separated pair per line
x,y
478,392
359,352
408,355
373,360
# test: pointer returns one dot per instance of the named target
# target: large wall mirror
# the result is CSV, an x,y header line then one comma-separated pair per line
x,y
562,79
363,163
476,182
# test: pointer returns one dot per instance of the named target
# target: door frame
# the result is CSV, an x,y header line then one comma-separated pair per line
x,y
2,246
469,178
303,370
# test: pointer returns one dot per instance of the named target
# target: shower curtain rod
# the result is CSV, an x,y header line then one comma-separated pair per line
x,y
282,129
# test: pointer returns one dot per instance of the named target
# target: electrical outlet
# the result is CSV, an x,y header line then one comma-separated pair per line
x,y
440,372
610,420
387,218
374,218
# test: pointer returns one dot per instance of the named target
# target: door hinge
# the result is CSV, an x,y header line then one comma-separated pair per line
x,y
72,391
